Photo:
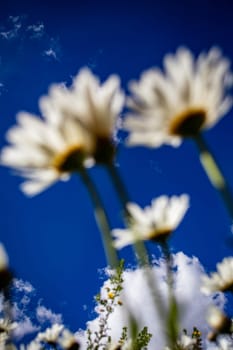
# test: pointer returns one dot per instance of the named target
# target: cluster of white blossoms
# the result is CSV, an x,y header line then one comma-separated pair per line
x,y
155,222
222,280
189,96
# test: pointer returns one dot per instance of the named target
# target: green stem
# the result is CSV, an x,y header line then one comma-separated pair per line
x,y
120,188
139,247
102,220
214,173
172,318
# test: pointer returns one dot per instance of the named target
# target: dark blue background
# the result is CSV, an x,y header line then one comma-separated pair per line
x,y
52,239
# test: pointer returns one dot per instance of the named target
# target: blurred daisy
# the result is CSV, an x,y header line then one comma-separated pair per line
x,y
219,323
155,222
68,341
188,97
6,326
76,131
94,105
222,280
50,335
43,152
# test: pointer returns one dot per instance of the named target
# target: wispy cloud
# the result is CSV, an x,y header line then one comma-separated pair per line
x,y
29,313
36,31
13,27
44,315
50,53
54,50
19,27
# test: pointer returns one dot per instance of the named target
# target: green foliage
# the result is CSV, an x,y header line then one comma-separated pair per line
x,y
142,340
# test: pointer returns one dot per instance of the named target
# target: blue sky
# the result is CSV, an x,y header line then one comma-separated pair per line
x,y
52,239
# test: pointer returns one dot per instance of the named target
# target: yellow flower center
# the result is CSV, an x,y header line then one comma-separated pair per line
x,y
111,295
70,160
188,123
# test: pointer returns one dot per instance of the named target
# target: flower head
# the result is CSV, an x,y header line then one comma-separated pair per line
x,y
50,335
94,105
75,131
68,341
222,280
6,326
188,97
155,222
219,323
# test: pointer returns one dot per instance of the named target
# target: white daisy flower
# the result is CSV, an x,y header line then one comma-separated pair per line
x,y
76,130
188,97
50,335
222,280
96,106
219,322
155,222
43,152
68,341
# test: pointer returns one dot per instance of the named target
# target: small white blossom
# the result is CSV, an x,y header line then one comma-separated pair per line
x,y
188,97
154,222
222,280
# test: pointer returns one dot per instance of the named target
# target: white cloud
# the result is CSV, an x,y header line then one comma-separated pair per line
x,y
51,54
22,286
43,315
24,327
17,26
29,314
12,29
36,31
54,50
137,298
